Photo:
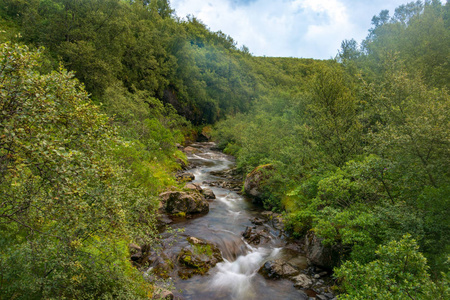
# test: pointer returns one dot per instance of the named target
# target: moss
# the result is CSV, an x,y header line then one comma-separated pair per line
x,y
203,249
261,167
184,275
180,214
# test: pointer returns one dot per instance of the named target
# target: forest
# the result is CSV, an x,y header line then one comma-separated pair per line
x,y
97,94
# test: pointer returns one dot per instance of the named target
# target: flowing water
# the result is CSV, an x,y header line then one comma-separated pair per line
x,y
230,213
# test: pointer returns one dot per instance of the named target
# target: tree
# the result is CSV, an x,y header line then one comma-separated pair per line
x,y
419,34
162,7
405,12
414,129
381,19
333,112
349,50
399,272
66,208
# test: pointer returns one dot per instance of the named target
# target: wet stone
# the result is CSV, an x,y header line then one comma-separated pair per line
x,y
163,219
247,233
208,193
198,257
302,281
257,221
256,236
193,186
278,269
185,176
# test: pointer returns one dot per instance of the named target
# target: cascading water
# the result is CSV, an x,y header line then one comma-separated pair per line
x,y
237,276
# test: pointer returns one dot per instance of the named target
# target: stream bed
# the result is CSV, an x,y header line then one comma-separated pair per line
x,y
230,214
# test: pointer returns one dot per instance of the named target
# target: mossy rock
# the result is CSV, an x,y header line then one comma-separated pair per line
x,y
163,269
162,265
183,203
198,257
256,179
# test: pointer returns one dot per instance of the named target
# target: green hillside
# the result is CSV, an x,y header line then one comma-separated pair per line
x,y
96,95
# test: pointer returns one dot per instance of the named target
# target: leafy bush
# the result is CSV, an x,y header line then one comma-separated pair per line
x,y
67,209
399,272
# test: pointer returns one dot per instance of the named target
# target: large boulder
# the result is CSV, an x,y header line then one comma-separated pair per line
x,y
318,254
198,257
256,179
206,192
278,268
176,202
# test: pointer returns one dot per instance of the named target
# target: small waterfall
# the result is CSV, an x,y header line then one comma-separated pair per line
x,y
234,277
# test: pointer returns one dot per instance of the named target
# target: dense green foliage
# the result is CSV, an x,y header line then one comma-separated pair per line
x,y
399,272
359,144
79,181
361,148
140,46
68,208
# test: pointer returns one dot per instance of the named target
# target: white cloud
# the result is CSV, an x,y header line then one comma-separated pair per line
x,y
328,24
299,28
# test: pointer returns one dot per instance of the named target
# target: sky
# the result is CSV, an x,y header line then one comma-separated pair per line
x,y
288,28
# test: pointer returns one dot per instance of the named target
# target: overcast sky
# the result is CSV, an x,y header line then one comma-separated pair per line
x,y
289,28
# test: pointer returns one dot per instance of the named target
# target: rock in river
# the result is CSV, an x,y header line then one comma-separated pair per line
x,y
256,236
278,268
198,257
302,281
193,187
206,192
175,202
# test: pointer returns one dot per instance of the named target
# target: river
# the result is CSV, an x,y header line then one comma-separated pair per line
x,y
230,213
